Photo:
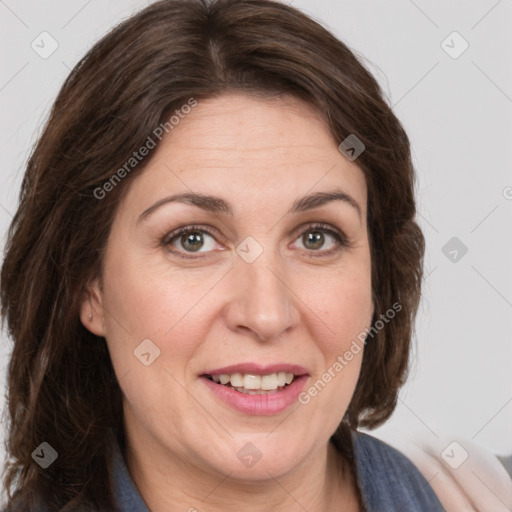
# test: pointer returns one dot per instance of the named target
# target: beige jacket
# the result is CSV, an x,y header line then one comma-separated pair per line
x,y
465,476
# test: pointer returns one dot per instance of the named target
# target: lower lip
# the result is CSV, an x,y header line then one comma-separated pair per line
x,y
260,405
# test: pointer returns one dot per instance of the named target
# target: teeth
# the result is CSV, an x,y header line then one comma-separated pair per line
x,y
269,382
237,380
251,381
254,383
257,392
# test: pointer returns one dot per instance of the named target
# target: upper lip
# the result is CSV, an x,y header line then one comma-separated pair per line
x,y
258,369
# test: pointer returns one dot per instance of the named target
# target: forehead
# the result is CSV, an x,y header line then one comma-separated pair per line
x,y
249,149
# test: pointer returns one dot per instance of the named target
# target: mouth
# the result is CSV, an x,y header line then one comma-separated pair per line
x,y
253,384
255,389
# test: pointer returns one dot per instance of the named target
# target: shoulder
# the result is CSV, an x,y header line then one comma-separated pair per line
x,y
464,475
389,481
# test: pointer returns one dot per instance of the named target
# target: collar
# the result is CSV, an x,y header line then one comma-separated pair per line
x,y
125,492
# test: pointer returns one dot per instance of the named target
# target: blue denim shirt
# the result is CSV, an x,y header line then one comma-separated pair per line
x,y
388,480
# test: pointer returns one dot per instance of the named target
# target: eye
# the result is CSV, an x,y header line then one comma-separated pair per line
x,y
190,239
314,238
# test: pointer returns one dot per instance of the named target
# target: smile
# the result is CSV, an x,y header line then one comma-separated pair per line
x,y
254,384
256,390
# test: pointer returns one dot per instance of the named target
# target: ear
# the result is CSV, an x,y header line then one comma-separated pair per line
x,y
92,314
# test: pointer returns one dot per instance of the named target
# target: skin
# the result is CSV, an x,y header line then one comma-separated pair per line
x,y
293,304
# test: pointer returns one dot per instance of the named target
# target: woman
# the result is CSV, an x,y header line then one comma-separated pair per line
x,y
212,277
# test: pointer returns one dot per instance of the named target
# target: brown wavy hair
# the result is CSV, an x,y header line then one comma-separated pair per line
x,y
61,385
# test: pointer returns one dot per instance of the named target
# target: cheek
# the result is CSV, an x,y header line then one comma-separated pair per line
x,y
345,306
150,340
148,301
167,307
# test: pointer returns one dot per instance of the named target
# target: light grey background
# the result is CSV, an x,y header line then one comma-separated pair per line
x,y
458,114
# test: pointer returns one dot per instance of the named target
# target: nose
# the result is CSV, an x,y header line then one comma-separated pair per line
x,y
263,299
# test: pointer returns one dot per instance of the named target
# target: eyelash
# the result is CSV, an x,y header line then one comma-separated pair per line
x,y
341,239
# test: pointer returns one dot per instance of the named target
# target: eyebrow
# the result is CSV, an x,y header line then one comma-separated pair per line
x,y
214,204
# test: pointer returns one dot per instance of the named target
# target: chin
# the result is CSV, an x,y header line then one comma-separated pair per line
x,y
254,458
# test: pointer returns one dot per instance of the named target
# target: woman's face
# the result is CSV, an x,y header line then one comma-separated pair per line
x,y
260,285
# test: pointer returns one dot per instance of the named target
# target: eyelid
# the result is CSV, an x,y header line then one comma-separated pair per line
x,y
186,228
